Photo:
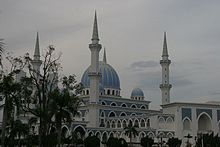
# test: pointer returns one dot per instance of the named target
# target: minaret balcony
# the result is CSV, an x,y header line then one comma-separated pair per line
x,y
165,61
163,86
95,46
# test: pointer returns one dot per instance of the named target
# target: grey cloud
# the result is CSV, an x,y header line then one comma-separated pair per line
x,y
143,65
181,81
152,80
137,31
215,93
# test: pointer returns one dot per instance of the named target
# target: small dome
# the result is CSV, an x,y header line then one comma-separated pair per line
x,y
137,92
109,77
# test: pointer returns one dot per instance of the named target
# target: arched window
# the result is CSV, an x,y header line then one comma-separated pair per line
x,y
112,114
104,137
136,123
133,114
124,124
204,123
113,124
108,92
123,114
113,92
87,92
64,132
102,114
103,103
102,124
124,105
169,120
148,123
108,124
98,134
143,107
91,134
113,104
186,124
111,135
142,123
118,124
133,106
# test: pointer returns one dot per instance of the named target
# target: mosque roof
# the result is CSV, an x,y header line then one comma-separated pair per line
x,y
137,92
109,77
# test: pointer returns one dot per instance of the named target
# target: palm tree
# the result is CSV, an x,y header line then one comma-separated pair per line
x,y
64,104
131,131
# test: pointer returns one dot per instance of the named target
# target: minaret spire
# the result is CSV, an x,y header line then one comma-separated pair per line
x,y
94,77
37,49
95,34
104,56
165,86
165,52
36,62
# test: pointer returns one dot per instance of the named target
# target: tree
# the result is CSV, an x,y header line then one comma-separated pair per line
x,y
47,100
113,142
174,142
64,103
123,142
1,50
131,131
18,129
92,141
147,141
43,83
208,140
9,90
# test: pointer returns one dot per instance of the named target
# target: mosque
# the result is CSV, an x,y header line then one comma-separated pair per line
x,y
104,112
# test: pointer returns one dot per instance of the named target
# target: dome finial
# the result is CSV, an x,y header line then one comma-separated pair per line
x,y
95,35
165,52
37,49
104,56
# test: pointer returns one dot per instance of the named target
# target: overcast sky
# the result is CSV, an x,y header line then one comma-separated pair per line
x,y
132,32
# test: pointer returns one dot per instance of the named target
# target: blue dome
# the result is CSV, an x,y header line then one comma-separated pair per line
x,y
137,92
109,77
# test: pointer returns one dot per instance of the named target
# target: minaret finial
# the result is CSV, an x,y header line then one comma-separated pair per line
x,y
95,35
165,52
104,56
37,49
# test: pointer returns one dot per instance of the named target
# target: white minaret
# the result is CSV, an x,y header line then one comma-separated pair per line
x,y
94,77
36,62
165,85
94,74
